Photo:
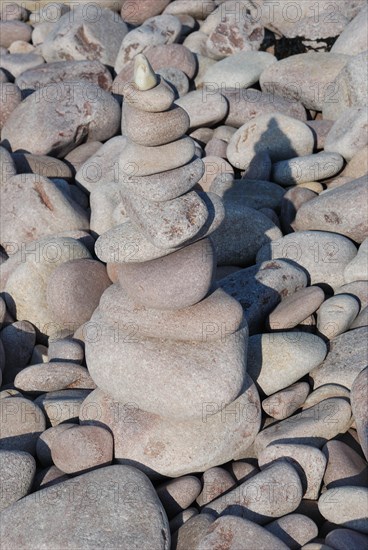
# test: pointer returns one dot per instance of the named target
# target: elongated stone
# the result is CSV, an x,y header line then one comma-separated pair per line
x,y
53,376
261,287
313,426
258,505
212,319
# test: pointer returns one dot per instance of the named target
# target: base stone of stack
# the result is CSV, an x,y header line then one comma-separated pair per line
x,y
162,446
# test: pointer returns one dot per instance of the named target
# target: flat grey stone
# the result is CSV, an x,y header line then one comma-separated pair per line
x,y
257,505
21,423
166,185
248,103
33,207
255,194
133,522
357,269
353,39
294,530
52,73
209,320
343,539
261,287
349,88
17,63
138,160
295,308
337,314
338,211
346,358
204,109
277,360
62,405
52,377
348,134
240,70
242,233
188,275
322,254
238,530
102,167
359,407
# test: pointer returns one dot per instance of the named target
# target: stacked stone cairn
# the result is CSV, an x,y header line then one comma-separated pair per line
x,y
169,356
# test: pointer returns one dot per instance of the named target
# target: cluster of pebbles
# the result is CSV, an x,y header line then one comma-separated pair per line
x,y
184,275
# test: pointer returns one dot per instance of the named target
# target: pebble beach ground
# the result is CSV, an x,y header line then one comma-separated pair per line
x,y
184,275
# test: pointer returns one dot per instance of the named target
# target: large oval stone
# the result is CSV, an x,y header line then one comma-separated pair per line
x,y
129,511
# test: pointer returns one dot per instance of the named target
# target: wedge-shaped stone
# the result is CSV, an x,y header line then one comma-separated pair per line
x,y
346,358
181,376
167,447
125,243
167,224
277,360
339,211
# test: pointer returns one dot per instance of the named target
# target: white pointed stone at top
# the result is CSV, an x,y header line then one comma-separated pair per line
x,y
144,76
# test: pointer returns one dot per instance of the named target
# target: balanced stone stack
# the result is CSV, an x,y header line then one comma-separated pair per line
x,y
169,356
